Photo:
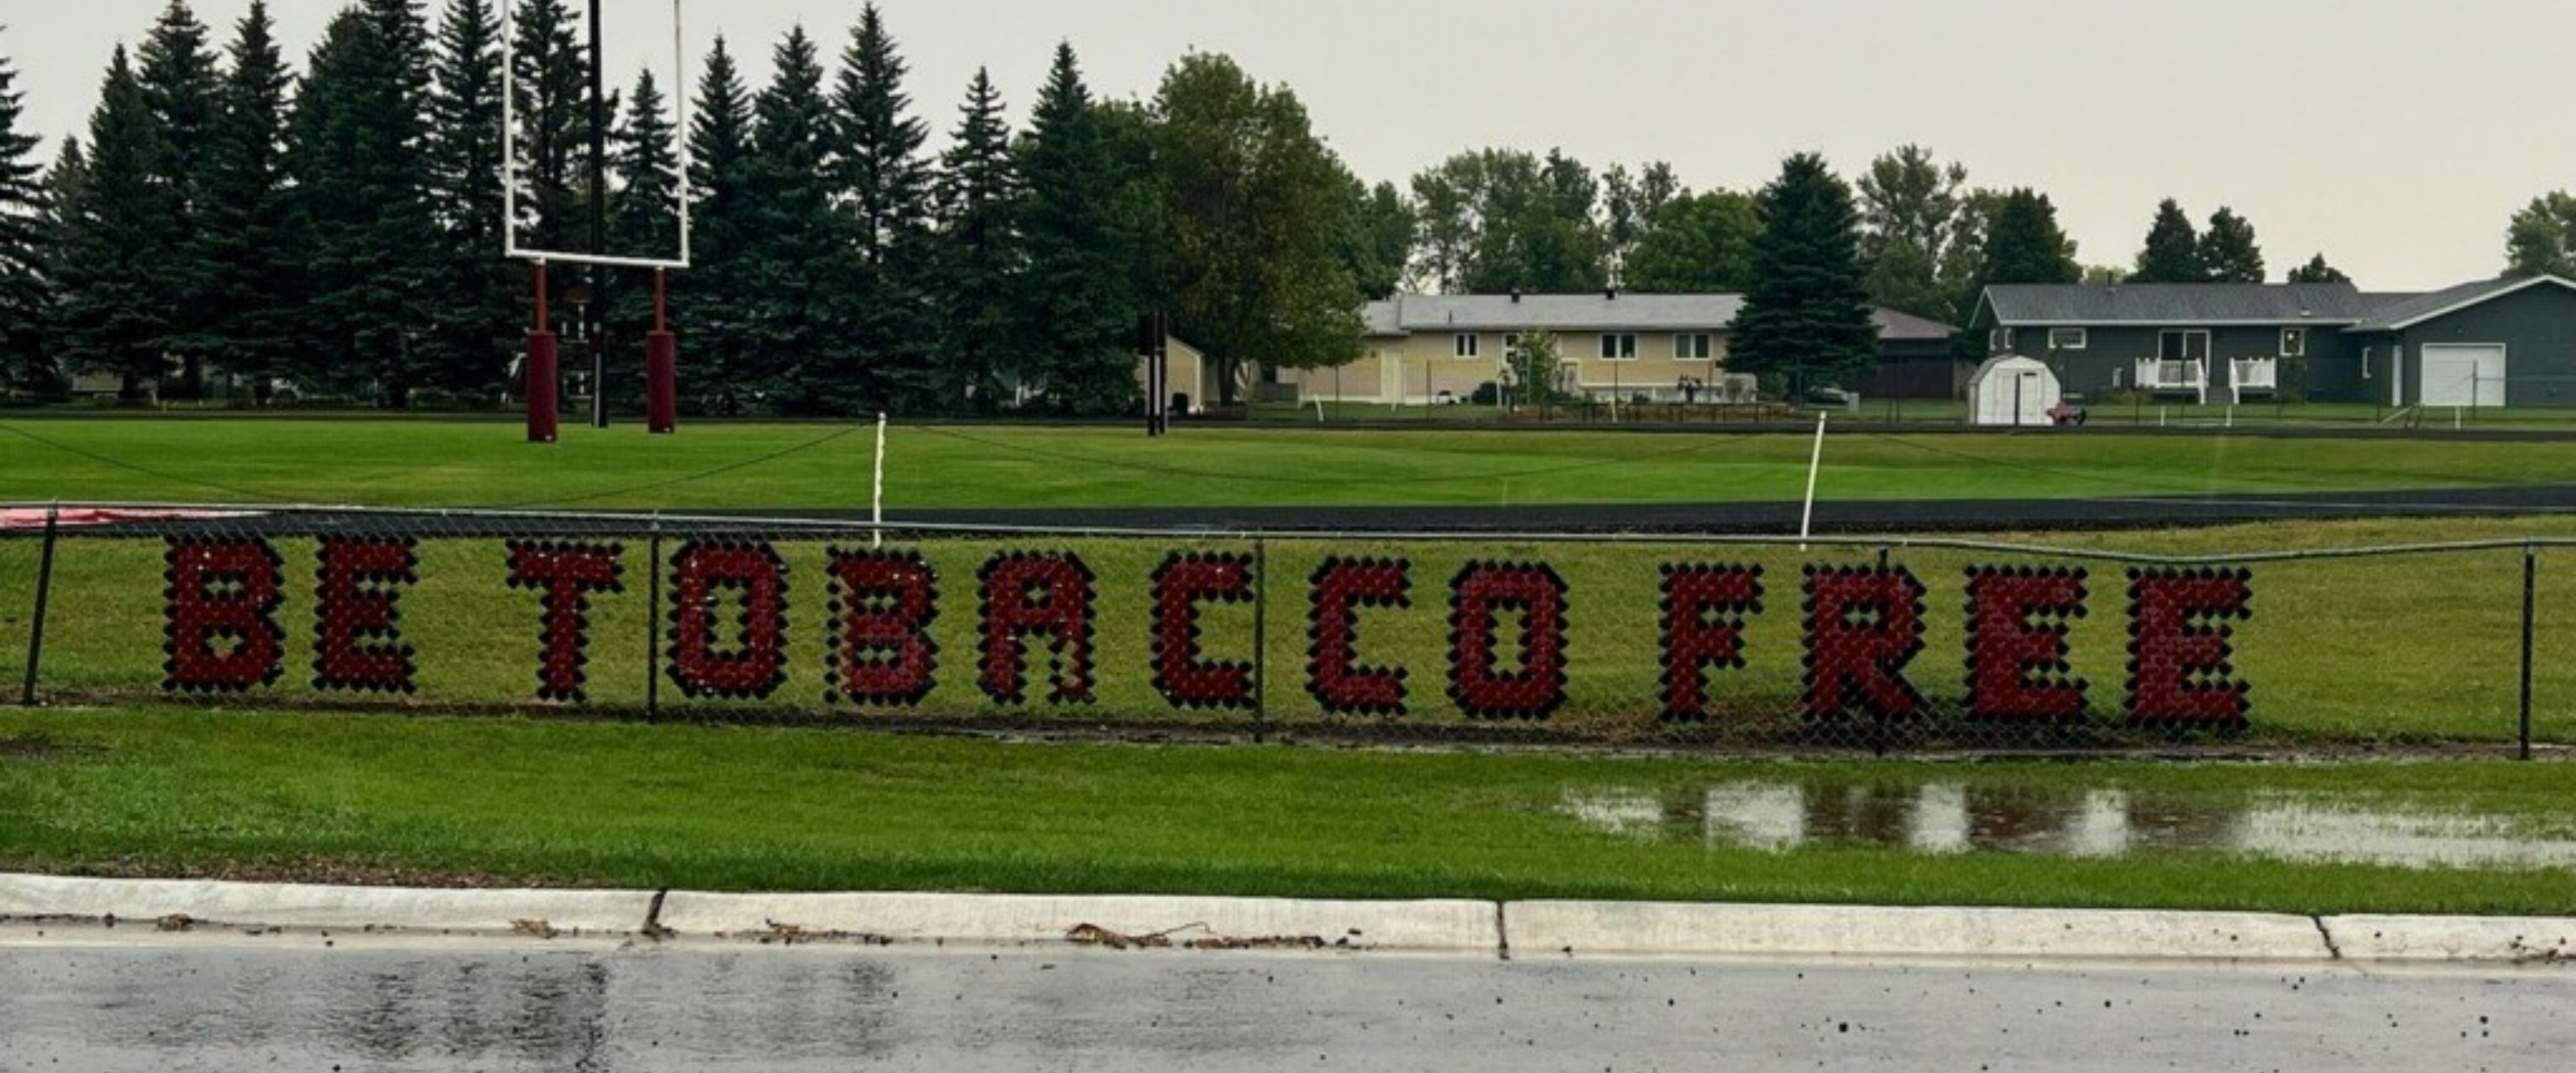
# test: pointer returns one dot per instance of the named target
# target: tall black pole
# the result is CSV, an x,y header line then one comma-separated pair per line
x,y
598,229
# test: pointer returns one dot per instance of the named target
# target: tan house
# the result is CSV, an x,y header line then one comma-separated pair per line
x,y
1422,348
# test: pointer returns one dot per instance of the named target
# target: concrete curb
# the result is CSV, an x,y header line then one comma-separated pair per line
x,y
2391,938
292,905
1523,929
1009,918
1538,929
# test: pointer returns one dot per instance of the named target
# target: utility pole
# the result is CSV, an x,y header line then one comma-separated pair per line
x,y
598,229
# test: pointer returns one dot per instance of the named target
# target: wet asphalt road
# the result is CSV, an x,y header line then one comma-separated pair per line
x,y
226,1002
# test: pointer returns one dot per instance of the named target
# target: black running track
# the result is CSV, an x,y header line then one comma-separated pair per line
x,y
1832,517
1850,516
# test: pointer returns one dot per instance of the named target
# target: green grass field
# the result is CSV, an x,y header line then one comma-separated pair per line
x,y
377,799
2362,652
750,466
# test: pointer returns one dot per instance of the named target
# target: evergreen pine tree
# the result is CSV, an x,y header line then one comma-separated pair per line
x,y
1807,315
2025,244
794,287
117,220
644,210
53,361
2172,253
243,222
885,191
25,296
553,99
978,263
476,313
1083,240
358,153
183,88
2227,250
710,303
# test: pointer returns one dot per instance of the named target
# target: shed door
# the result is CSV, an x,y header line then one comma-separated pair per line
x,y
2463,374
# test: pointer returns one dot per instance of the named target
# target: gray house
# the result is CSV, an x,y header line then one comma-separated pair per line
x,y
2489,343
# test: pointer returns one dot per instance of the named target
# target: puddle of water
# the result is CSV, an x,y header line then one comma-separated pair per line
x,y
1779,815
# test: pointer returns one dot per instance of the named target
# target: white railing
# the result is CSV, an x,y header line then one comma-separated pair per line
x,y
2169,375
2259,375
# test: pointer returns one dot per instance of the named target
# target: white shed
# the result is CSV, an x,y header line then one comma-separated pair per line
x,y
2012,390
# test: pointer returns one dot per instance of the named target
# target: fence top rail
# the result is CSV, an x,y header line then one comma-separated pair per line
x,y
497,521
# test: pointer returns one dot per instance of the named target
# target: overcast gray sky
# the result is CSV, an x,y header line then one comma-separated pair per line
x,y
2396,136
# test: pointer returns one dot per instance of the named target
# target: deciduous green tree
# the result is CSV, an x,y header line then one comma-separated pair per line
x,y
1698,244
1806,316
1909,217
2538,241
2318,271
2228,252
1254,208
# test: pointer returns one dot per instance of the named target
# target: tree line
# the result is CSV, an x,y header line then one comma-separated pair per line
x,y
226,217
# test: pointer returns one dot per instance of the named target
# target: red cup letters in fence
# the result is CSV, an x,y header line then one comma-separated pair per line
x,y
1507,642
1334,674
1863,626
1478,598
357,635
1704,612
756,663
1181,584
1045,594
220,629
2180,646
884,602
564,574
2017,653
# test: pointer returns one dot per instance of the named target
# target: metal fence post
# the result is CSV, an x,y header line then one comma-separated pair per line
x,y
2530,600
653,626
1260,640
44,596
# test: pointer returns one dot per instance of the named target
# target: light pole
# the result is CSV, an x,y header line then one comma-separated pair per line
x,y
598,308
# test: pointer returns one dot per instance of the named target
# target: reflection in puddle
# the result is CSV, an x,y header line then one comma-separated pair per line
x,y
1959,817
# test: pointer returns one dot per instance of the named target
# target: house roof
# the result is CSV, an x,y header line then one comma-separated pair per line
x,y
1558,312
1408,313
2176,303
2407,311
1896,325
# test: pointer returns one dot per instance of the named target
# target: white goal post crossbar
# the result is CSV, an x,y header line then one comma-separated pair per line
x,y
679,91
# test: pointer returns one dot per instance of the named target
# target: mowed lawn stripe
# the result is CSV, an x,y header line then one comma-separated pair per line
x,y
752,466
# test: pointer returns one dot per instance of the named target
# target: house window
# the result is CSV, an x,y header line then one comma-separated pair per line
x,y
1463,345
2190,344
2066,339
2365,363
2000,341
1620,347
1692,346
2294,342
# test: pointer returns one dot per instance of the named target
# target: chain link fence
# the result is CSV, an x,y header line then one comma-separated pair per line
x,y
1916,645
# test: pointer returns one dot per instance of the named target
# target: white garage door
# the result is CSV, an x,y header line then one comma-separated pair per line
x,y
2464,374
